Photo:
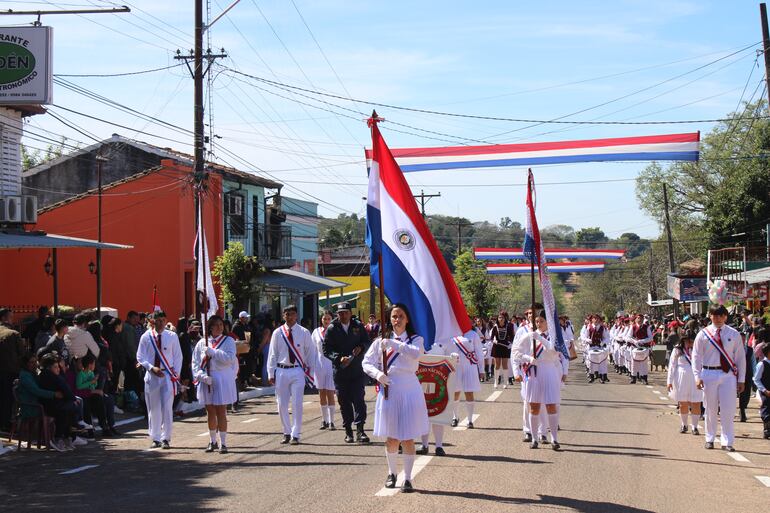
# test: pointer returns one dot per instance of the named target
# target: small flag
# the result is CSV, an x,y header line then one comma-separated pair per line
x,y
207,297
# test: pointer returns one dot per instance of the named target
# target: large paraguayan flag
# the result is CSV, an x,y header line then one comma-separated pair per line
x,y
413,268
533,250
649,147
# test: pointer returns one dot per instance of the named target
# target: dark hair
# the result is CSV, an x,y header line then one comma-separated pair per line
x,y
718,310
181,325
95,329
685,335
48,322
210,322
25,358
131,313
542,315
228,326
110,327
766,349
328,312
49,359
60,323
81,318
87,360
409,327
290,308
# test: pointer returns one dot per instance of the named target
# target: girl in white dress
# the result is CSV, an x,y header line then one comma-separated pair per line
x,y
546,370
681,383
469,372
214,366
403,416
324,374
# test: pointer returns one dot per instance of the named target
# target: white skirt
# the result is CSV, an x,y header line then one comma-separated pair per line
x,y
467,377
403,415
221,392
324,374
685,389
544,384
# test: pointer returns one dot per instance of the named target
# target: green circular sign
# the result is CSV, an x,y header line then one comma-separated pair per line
x,y
16,63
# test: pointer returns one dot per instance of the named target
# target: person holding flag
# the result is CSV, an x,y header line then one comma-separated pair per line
x,y
161,356
214,373
292,358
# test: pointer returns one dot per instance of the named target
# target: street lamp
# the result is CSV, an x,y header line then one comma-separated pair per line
x,y
48,266
92,267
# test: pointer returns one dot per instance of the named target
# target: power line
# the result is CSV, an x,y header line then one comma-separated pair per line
x,y
126,74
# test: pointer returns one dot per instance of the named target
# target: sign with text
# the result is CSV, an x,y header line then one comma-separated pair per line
x,y
26,66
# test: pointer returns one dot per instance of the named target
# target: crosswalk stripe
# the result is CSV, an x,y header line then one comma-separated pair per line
x,y
419,464
464,423
493,397
765,480
738,457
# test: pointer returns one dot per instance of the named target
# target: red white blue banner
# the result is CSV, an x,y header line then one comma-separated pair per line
x,y
550,253
645,148
558,267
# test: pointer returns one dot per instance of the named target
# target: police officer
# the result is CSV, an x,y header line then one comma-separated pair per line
x,y
345,343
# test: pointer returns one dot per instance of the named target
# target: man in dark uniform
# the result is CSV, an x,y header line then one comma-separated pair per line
x,y
345,343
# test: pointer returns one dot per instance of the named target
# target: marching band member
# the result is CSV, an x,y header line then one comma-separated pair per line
x,y
502,339
546,370
681,383
448,350
324,374
403,415
719,365
626,336
469,373
160,354
598,349
214,368
292,357
642,341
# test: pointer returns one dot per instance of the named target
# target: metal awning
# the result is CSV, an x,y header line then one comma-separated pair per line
x,y
755,276
17,239
299,281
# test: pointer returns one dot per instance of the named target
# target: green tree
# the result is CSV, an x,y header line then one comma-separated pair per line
x,y
30,159
234,272
474,283
591,237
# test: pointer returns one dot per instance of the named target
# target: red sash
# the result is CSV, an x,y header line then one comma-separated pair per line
x,y
163,360
716,341
290,344
470,355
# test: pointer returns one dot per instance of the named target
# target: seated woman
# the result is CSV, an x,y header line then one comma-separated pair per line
x,y
29,392
62,410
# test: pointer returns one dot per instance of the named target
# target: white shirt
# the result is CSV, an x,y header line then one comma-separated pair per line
x,y
472,343
407,349
221,360
279,351
522,352
704,354
145,354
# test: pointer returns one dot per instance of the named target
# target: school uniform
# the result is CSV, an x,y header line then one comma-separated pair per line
x,y
291,358
683,387
324,373
216,361
162,350
720,374
641,340
403,415
598,352
471,361
762,382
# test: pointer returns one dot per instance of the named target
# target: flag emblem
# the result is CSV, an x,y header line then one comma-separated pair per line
x,y
405,239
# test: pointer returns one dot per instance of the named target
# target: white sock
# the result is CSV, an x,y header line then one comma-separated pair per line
x,y
424,440
438,434
534,424
213,435
455,405
324,413
683,416
469,408
392,465
694,418
543,421
553,423
525,421
223,437
330,409
408,464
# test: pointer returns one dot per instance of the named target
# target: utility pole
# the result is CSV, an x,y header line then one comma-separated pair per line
x,y
460,224
671,262
422,196
765,45
653,292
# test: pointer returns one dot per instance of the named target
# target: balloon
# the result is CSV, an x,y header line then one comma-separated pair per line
x,y
718,292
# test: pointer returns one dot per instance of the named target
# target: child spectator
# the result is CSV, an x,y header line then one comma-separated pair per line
x,y
93,397
762,381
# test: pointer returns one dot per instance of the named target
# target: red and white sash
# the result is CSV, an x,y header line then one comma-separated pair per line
x,y
686,356
470,355
164,361
285,334
717,343
391,355
205,361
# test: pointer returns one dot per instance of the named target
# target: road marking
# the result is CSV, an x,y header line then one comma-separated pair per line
x,y
307,402
648,386
764,480
249,421
419,464
493,397
738,457
663,397
464,423
77,469
672,406
128,421
7,448
205,433
656,392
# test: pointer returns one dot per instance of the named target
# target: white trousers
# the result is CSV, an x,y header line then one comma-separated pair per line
x,y
642,368
160,414
720,392
601,368
290,386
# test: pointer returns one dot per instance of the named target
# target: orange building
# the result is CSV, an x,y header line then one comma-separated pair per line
x,y
153,211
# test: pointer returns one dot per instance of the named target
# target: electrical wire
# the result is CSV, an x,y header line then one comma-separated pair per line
x,y
126,74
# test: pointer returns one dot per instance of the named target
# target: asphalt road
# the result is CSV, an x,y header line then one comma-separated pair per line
x,y
621,452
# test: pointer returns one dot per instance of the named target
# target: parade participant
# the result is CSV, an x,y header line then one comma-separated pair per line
x,y
719,366
161,356
489,362
598,350
641,341
626,334
291,359
214,369
480,329
448,350
324,374
372,327
745,397
469,373
345,344
762,382
546,370
403,415
681,383
502,339
567,333
520,376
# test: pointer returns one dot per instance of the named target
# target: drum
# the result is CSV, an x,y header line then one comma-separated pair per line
x,y
640,354
597,355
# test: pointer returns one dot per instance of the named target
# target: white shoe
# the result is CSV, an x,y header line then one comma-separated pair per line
x,y
505,386
79,441
117,410
83,425
58,446
68,444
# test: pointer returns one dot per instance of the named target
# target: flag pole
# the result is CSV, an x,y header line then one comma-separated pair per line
x,y
532,266
202,262
373,123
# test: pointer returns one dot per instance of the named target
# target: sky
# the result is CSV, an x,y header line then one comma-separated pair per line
x,y
650,60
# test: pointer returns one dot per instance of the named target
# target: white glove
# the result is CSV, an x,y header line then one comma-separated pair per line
x,y
389,343
208,380
210,352
383,378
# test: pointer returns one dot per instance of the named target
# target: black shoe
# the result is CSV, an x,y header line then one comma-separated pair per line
x,y
728,448
470,425
556,446
455,422
695,431
361,437
286,439
165,444
422,450
533,445
223,450
644,380
743,416
349,437
591,378
211,447
155,445
324,425
633,381
544,440
440,451
294,441
390,481
407,487
605,379
709,445
331,427
683,429
527,437
114,432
